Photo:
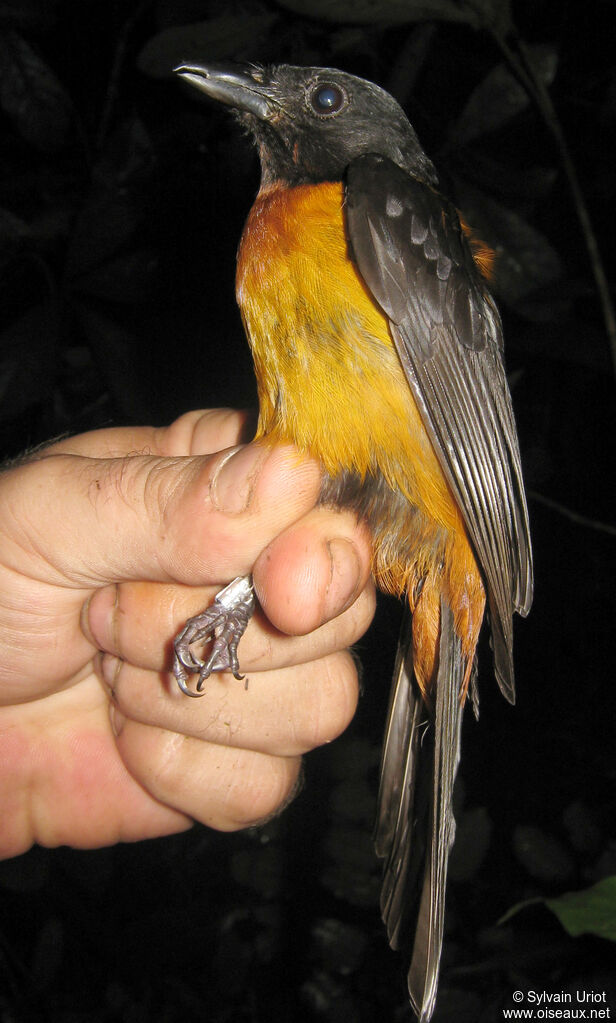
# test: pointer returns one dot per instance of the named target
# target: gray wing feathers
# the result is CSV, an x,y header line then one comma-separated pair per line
x,y
408,246
471,426
448,335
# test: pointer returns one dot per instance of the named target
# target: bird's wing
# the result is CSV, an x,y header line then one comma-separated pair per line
x,y
408,246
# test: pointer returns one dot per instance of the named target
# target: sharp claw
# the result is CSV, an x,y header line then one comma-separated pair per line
x,y
224,624
181,678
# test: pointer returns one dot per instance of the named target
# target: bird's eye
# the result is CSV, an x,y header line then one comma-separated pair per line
x,y
327,100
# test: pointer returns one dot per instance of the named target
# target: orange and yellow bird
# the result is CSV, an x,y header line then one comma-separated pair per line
x,y
378,350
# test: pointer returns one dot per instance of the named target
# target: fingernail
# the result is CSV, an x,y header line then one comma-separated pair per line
x,y
84,621
233,483
117,720
110,667
99,618
344,577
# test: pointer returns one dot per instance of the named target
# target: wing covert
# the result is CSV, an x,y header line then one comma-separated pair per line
x,y
408,245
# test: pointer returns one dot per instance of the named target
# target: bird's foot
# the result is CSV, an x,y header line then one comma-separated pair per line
x,y
223,624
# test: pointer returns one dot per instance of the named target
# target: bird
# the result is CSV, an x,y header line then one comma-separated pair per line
x,y
378,350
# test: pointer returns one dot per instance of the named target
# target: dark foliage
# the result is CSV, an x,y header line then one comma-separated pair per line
x,y
121,203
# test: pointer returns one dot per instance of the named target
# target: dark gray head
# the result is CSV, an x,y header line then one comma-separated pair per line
x,y
309,123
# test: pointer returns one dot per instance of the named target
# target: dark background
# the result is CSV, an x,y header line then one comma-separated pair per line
x,y
122,198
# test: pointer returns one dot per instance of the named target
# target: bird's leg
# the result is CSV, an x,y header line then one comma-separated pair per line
x,y
224,624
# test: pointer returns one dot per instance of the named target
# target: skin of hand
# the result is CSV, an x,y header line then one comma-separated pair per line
x,y
108,542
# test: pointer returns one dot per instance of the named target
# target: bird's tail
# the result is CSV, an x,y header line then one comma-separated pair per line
x,y
415,824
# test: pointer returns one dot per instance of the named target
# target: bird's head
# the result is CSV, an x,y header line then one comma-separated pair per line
x,y
309,123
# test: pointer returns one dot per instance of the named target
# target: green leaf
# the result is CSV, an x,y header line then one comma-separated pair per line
x,y
590,911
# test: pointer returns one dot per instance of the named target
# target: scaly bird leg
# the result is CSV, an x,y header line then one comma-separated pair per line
x,y
224,624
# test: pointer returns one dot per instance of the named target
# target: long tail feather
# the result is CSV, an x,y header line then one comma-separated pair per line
x,y
415,824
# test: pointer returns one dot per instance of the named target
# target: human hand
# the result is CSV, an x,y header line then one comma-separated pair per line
x,y
110,540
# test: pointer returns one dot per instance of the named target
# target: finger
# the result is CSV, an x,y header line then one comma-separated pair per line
x,y
200,432
137,622
205,431
63,782
284,712
314,570
222,786
198,520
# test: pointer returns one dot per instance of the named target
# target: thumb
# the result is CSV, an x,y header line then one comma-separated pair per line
x,y
198,520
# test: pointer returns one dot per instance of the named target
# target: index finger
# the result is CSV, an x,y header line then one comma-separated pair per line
x,y
199,432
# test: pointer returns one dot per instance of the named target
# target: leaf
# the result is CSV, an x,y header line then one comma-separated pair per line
x,y
590,911
479,14
525,262
226,36
500,97
32,96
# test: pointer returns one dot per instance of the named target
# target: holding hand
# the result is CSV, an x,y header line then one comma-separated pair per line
x,y
110,541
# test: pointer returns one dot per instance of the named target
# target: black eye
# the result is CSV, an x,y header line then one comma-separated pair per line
x,y
327,100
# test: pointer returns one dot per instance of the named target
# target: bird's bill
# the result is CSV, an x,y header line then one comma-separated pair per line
x,y
229,84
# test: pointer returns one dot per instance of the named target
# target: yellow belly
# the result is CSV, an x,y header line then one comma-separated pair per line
x,y
329,378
